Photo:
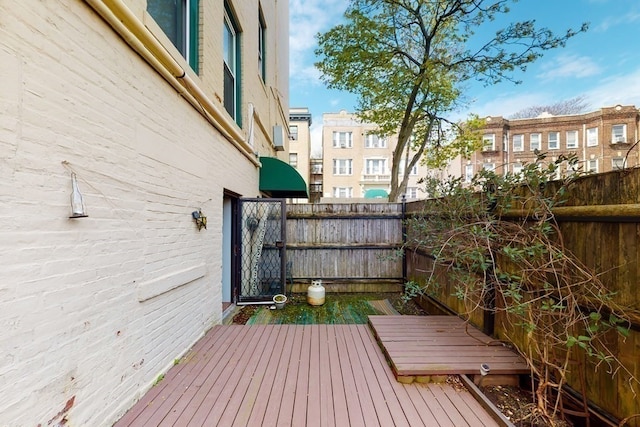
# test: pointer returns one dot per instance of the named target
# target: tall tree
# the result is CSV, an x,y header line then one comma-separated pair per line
x,y
407,61
575,105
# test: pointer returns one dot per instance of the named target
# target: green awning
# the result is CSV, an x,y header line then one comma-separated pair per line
x,y
376,193
279,179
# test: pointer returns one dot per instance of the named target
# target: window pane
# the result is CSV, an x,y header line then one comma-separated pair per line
x,y
617,163
518,144
618,133
179,21
229,47
229,92
231,61
572,139
488,142
534,141
261,46
468,173
517,168
592,137
293,132
165,13
553,141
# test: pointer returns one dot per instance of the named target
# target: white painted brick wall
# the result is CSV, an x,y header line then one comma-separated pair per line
x,y
71,325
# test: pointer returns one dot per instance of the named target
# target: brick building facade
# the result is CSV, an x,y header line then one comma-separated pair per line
x,y
603,140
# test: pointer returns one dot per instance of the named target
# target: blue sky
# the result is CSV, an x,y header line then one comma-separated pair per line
x,y
602,64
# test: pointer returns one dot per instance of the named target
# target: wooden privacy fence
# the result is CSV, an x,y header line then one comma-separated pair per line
x,y
350,247
600,225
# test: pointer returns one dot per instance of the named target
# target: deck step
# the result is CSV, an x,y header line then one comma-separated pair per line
x,y
423,347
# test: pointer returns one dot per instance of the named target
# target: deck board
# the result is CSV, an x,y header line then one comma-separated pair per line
x,y
441,345
296,375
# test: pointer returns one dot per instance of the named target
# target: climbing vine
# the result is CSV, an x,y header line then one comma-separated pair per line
x,y
502,252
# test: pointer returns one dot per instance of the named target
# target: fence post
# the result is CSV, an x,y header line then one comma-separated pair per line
x,y
404,241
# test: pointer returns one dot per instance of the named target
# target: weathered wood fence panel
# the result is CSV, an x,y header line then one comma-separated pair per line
x,y
350,247
600,225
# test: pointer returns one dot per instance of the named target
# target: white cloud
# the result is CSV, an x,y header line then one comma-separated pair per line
x,y
316,136
509,103
573,66
614,21
306,19
619,89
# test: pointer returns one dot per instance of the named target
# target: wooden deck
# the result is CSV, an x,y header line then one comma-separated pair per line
x,y
441,345
296,375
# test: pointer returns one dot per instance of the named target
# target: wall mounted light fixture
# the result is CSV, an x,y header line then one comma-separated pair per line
x,y
201,220
77,204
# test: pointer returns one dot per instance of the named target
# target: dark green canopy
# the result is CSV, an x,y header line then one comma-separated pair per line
x,y
280,180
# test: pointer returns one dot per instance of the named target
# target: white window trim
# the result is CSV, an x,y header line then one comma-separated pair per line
x,y
520,147
489,166
468,173
538,143
576,143
616,167
517,168
557,147
487,137
619,139
347,164
590,143
369,161
348,143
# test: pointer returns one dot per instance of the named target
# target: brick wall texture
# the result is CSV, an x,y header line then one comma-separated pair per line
x,y
92,310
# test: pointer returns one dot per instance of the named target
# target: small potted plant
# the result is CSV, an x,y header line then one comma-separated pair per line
x,y
279,301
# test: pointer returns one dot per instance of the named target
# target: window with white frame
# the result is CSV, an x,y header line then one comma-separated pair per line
x,y
342,166
535,140
374,141
293,159
489,166
375,166
342,140
293,132
592,137
572,139
573,168
231,55
343,192
592,165
618,134
489,142
403,165
468,173
178,19
518,142
517,168
617,163
411,193
554,140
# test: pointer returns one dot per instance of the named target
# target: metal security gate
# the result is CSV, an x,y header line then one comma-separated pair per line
x,y
262,250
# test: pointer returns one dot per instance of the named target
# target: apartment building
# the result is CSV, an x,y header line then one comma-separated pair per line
x,y
357,162
603,140
300,144
159,114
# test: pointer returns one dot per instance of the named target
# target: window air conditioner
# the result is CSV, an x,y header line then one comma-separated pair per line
x,y
278,137
619,139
